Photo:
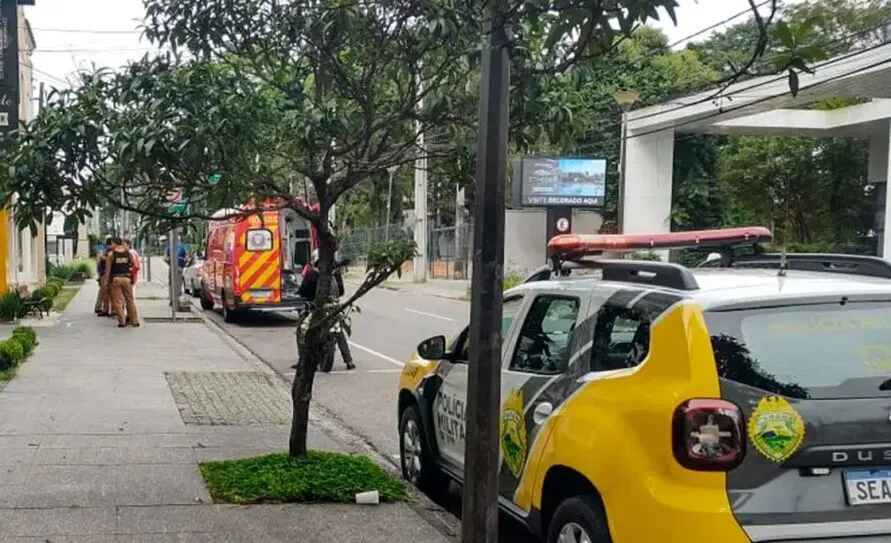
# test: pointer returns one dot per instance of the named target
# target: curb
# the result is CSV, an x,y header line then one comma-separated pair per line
x,y
443,521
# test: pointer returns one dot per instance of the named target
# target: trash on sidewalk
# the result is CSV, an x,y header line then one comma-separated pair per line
x,y
368,498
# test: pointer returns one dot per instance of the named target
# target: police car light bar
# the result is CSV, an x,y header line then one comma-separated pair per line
x,y
581,244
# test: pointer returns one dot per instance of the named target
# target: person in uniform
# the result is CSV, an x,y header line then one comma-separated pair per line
x,y
307,290
118,270
103,299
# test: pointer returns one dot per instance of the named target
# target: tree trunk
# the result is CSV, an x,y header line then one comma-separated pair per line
x,y
314,349
301,394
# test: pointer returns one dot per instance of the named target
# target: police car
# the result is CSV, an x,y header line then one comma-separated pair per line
x,y
749,400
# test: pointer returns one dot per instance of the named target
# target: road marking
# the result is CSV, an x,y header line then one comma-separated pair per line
x,y
433,315
383,371
382,356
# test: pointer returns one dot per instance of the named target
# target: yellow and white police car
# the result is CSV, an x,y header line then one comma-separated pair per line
x,y
745,401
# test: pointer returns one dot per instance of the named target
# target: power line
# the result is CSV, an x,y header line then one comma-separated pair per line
x,y
98,50
716,25
85,31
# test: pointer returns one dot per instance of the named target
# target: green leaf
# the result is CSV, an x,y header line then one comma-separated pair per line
x,y
793,82
784,34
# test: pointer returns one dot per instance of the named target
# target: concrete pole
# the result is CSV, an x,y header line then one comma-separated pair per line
x,y
419,269
174,272
460,255
479,519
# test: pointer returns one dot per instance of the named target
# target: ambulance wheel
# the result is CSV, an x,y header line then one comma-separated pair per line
x,y
229,315
578,519
206,301
414,456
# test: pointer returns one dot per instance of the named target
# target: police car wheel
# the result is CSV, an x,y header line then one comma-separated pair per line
x,y
417,468
579,519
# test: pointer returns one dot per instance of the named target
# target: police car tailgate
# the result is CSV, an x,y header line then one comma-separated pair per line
x,y
814,384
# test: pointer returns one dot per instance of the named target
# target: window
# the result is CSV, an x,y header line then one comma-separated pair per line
x,y
510,308
543,344
259,240
815,351
621,339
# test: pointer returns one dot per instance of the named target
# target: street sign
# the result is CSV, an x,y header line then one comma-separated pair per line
x,y
178,209
214,178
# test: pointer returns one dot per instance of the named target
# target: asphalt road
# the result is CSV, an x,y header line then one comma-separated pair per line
x,y
384,335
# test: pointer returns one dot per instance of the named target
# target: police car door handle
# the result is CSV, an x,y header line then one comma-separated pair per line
x,y
542,412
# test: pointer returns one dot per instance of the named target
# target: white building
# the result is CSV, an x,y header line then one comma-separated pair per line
x,y
26,258
762,106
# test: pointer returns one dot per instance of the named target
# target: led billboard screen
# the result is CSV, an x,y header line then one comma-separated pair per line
x,y
576,182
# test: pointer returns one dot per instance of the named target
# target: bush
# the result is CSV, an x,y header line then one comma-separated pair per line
x,y
12,352
62,271
84,267
27,337
12,306
511,280
49,290
56,281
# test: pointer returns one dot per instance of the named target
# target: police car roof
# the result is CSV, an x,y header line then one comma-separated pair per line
x,y
726,287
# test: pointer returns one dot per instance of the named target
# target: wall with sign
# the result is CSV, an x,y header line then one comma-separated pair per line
x,y
525,236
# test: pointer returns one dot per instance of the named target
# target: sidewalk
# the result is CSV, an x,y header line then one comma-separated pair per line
x,y
102,431
454,289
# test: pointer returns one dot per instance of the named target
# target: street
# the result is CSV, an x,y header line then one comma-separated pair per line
x,y
385,334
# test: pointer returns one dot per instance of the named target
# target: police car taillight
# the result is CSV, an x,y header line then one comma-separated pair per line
x,y
597,243
708,435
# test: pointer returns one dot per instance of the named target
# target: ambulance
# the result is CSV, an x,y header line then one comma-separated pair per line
x,y
253,262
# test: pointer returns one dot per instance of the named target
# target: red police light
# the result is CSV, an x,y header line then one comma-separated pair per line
x,y
597,243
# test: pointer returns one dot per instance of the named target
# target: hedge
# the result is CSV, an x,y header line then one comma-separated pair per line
x,y
17,348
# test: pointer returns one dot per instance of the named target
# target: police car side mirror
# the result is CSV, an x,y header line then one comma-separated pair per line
x,y
433,348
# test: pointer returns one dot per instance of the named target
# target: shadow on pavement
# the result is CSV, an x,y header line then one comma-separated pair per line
x,y
263,319
509,530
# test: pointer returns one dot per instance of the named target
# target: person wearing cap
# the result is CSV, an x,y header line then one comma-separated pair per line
x,y
307,290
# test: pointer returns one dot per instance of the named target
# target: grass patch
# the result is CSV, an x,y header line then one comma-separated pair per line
x,y
318,477
61,301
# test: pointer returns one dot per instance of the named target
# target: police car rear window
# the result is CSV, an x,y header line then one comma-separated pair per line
x,y
820,351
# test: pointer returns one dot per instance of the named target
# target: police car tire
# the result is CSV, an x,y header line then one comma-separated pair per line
x,y
430,479
585,511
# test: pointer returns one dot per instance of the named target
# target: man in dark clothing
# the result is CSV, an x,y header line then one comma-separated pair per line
x,y
118,274
307,290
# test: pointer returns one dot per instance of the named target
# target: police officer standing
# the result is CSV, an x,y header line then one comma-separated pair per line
x,y
103,299
118,271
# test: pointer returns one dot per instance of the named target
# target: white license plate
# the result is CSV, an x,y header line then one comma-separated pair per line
x,y
261,293
868,487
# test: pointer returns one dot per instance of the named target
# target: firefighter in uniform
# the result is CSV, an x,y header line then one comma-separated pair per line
x,y
103,300
118,271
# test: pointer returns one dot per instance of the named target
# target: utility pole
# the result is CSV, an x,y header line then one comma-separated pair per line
x,y
41,266
419,267
173,241
390,171
480,501
625,99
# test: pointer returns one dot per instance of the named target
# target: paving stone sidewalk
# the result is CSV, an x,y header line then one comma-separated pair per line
x,y
102,431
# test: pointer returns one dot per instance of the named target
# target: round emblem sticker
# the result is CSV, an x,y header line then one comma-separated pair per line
x,y
513,433
562,224
776,429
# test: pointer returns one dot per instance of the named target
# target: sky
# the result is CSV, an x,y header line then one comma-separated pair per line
x,y
73,35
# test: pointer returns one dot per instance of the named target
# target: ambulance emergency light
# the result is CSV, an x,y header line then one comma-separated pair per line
x,y
592,244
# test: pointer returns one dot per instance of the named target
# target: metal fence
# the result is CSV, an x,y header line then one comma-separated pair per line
x,y
449,249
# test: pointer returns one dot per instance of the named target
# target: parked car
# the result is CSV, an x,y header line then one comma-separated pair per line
x,y
192,277
744,403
